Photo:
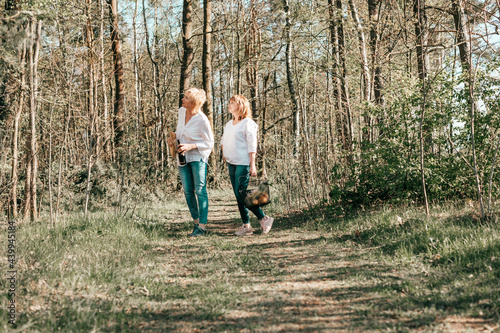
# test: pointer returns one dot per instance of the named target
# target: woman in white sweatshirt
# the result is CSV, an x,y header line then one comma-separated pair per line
x,y
239,147
196,142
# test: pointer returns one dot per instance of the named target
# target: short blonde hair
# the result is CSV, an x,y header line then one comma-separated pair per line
x,y
196,96
243,106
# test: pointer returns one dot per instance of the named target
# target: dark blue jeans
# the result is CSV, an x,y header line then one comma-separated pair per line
x,y
194,181
239,175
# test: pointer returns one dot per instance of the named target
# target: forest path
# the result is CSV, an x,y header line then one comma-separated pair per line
x,y
295,279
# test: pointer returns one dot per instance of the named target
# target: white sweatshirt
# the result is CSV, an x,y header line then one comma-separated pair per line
x,y
197,131
239,140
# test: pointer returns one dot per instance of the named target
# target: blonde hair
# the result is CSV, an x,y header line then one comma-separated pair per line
x,y
197,96
243,106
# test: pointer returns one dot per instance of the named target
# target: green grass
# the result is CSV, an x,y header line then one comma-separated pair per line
x,y
390,269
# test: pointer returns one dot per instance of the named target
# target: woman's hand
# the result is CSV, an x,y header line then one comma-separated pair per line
x,y
185,147
223,157
253,170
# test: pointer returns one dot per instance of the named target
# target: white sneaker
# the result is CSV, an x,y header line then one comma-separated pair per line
x,y
244,230
266,224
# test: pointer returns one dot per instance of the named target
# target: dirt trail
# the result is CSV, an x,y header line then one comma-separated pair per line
x,y
223,215
307,281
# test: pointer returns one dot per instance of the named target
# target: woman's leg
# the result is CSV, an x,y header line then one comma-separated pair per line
x,y
242,177
234,174
186,174
199,170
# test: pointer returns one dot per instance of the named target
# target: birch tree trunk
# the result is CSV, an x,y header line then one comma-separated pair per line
x,y
365,69
136,73
289,76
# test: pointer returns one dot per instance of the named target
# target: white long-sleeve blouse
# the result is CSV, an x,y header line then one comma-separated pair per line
x,y
197,131
239,140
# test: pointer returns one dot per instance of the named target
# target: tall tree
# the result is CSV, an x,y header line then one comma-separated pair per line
x,y
119,103
136,71
15,136
253,47
91,130
364,67
421,35
104,103
344,117
207,73
32,156
10,7
464,47
289,77
378,85
158,107
187,48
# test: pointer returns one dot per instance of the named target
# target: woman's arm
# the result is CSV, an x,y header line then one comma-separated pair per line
x,y
207,139
253,169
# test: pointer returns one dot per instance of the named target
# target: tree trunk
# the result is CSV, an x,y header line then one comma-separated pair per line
x,y
335,71
158,150
15,136
464,47
344,118
378,84
253,47
106,145
49,180
362,49
289,76
119,104
421,34
91,107
63,147
136,74
207,76
252,54
31,180
187,46
262,165
346,104
365,69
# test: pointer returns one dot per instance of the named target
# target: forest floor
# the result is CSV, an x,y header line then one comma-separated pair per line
x,y
143,273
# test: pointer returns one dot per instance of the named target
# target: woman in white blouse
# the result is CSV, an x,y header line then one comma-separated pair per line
x,y
239,146
196,142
